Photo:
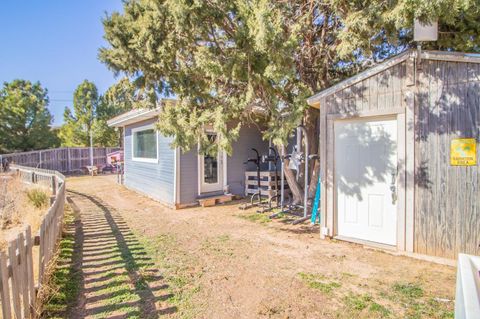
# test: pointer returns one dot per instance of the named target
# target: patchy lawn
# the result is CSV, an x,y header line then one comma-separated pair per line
x,y
141,259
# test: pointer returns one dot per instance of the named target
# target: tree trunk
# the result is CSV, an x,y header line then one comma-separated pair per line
x,y
313,135
314,179
295,188
120,139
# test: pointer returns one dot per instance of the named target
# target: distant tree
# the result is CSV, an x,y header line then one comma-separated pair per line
x,y
119,98
25,122
78,125
91,112
71,133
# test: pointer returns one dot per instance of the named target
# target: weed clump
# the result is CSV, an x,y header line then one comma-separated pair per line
x,y
20,205
319,282
408,290
38,198
364,306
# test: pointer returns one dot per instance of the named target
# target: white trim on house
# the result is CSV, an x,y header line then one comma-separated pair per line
x,y
124,156
133,116
206,188
225,180
144,159
221,159
199,178
176,177
138,115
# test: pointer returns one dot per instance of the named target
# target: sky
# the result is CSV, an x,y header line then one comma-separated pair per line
x,y
54,42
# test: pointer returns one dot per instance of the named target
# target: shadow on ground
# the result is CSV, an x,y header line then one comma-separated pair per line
x,y
104,270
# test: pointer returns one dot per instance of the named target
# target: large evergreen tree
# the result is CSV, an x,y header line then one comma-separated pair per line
x,y
238,61
24,118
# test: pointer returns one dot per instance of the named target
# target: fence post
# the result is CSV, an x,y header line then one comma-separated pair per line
x,y
23,272
41,254
69,157
54,185
5,292
31,278
33,177
16,281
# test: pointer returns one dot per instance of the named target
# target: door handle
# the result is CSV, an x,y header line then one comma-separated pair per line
x,y
394,194
393,187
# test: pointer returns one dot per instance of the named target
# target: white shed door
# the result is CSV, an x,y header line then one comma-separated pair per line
x,y
366,179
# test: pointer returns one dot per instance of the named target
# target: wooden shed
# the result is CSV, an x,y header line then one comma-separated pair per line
x,y
399,155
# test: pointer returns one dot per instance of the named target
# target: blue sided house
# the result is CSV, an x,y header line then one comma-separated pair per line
x,y
178,179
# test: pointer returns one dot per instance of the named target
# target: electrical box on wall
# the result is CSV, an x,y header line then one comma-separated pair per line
x,y
425,32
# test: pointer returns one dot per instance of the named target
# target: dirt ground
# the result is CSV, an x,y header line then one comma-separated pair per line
x,y
17,210
222,262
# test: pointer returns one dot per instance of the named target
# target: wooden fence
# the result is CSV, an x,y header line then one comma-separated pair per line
x,y
64,160
18,286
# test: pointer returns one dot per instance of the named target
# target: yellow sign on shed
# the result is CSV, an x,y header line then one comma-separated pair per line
x,y
463,152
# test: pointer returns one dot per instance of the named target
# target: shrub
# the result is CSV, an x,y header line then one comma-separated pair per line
x,y
38,198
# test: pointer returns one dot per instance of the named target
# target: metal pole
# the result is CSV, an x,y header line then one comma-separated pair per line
x,y
298,147
270,167
54,186
305,197
282,185
91,148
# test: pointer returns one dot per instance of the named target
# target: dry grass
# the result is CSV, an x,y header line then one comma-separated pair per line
x,y
63,277
20,205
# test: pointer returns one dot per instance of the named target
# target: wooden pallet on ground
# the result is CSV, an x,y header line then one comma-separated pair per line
x,y
214,200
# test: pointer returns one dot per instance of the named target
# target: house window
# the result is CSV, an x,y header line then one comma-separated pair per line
x,y
144,146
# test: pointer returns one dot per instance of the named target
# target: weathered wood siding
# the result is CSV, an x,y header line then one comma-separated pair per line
x,y
447,206
381,91
156,180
